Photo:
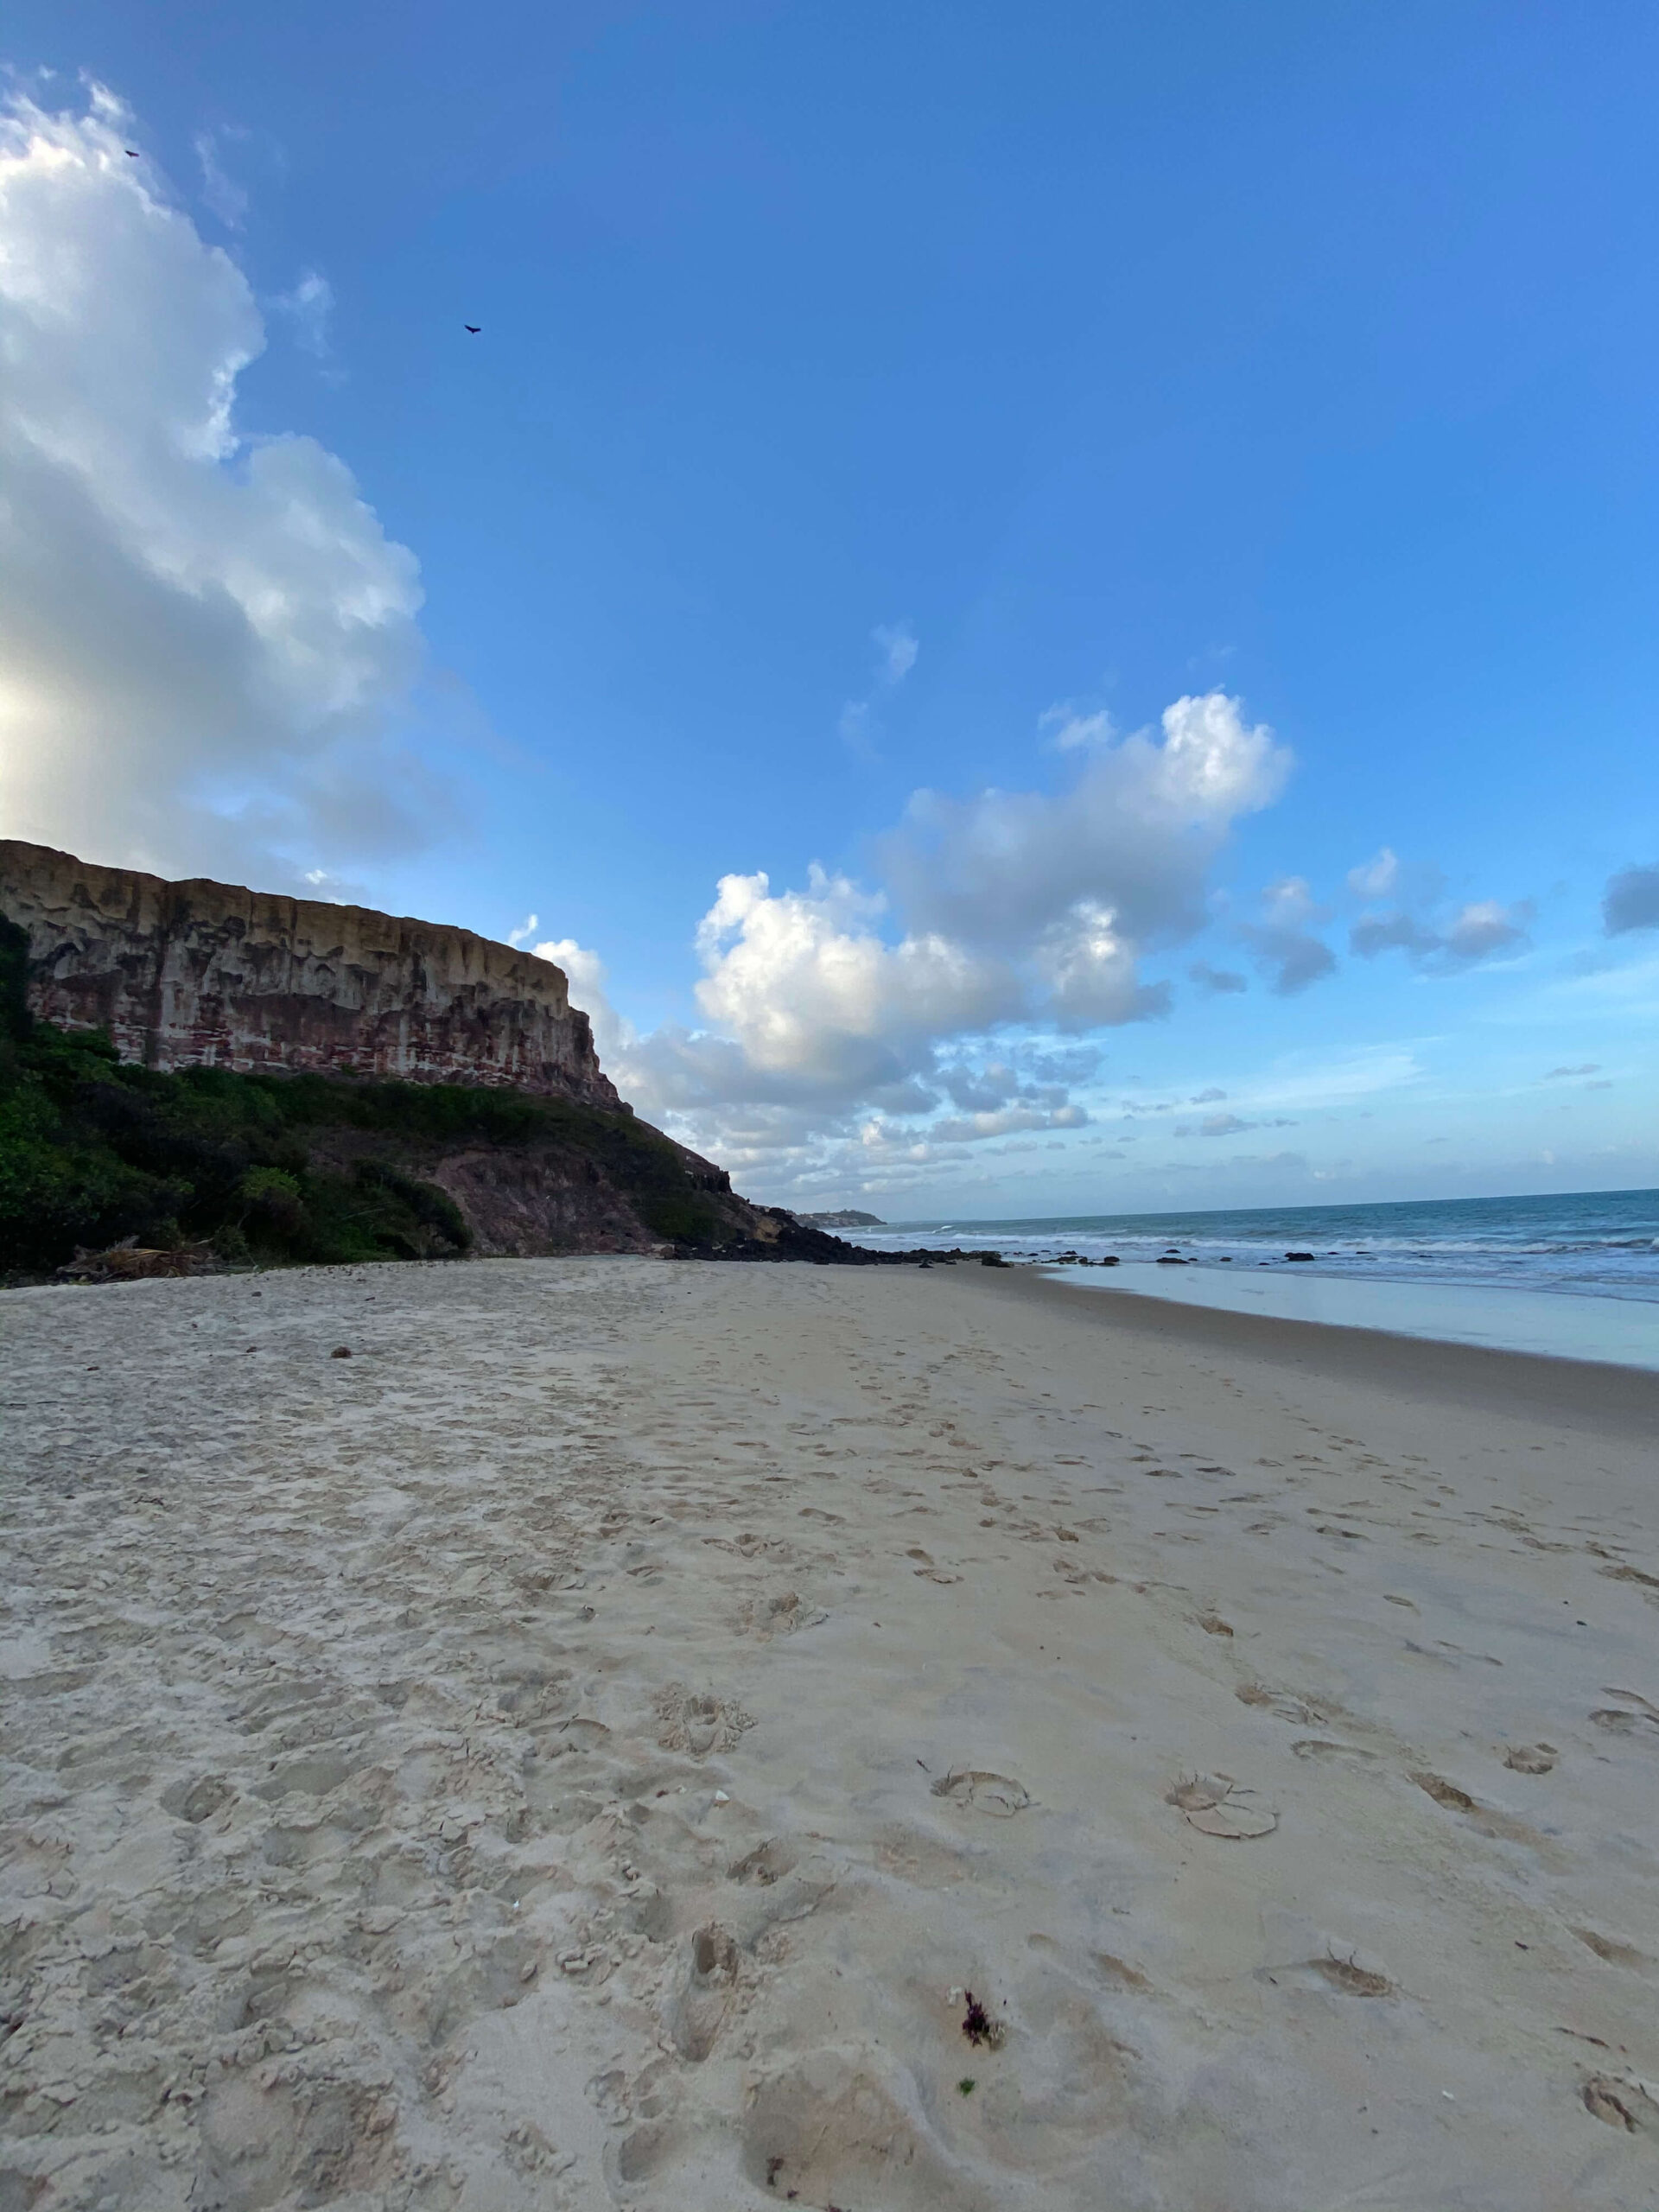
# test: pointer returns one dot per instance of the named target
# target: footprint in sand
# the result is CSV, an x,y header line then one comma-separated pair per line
x,y
699,2011
699,1722
1609,1948
1621,2104
1530,1759
977,1789
781,1615
1321,1747
1617,1723
199,1800
1284,1705
767,1863
1116,1972
1217,1805
1446,1792
1647,1583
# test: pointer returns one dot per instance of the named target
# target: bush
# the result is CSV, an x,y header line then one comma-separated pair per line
x,y
92,1150
687,1219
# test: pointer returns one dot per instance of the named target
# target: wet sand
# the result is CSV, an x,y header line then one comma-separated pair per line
x,y
1596,1330
584,1747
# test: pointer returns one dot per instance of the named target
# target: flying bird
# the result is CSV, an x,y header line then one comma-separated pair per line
x,y
473,326
132,153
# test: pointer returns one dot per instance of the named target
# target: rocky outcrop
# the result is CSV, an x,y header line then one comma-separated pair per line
x,y
207,974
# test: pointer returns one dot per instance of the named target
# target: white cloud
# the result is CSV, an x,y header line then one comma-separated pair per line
x,y
897,646
1075,732
970,1128
1474,932
1283,943
1019,905
223,195
614,1037
1420,921
806,987
1377,878
1006,912
1124,849
526,930
203,635
309,307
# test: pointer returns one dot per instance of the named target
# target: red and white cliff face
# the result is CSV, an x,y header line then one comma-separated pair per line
x,y
207,974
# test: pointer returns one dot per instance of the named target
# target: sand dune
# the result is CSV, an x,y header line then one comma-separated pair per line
x,y
598,1743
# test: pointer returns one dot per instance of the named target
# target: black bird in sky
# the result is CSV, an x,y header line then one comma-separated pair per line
x,y
132,153
473,326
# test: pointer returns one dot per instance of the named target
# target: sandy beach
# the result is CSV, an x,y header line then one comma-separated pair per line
x,y
585,1747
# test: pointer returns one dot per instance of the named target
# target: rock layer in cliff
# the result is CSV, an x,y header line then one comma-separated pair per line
x,y
200,974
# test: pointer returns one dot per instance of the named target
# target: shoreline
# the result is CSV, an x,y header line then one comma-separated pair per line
x,y
1597,1392
584,1746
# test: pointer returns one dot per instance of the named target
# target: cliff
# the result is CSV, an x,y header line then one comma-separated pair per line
x,y
207,974
220,1076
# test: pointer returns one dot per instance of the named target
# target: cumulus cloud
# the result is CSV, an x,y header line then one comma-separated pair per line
x,y
1008,906
614,1037
1422,923
204,635
1283,943
1632,901
1018,915
810,990
1120,856
1473,933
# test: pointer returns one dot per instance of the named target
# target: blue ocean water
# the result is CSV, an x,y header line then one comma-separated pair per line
x,y
1594,1243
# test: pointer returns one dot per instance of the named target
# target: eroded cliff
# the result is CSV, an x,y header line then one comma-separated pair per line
x,y
200,974
199,1070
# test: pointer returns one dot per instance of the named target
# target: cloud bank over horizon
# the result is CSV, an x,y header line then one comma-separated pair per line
x,y
844,1024
836,1009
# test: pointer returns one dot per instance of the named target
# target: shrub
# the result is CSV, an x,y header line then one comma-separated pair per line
x,y
93,1150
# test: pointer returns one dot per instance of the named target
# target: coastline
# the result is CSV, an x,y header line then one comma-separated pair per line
x,y
1599,1393
584,1746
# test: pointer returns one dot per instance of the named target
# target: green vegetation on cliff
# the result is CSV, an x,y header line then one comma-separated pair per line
x,y
93,1150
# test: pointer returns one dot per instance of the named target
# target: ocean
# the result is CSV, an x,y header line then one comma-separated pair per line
x,y
1574,1274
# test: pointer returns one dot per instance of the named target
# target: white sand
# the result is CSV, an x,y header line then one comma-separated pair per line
x,y
578,1752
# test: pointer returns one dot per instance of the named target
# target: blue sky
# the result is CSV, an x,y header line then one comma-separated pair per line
x,y
1210,449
